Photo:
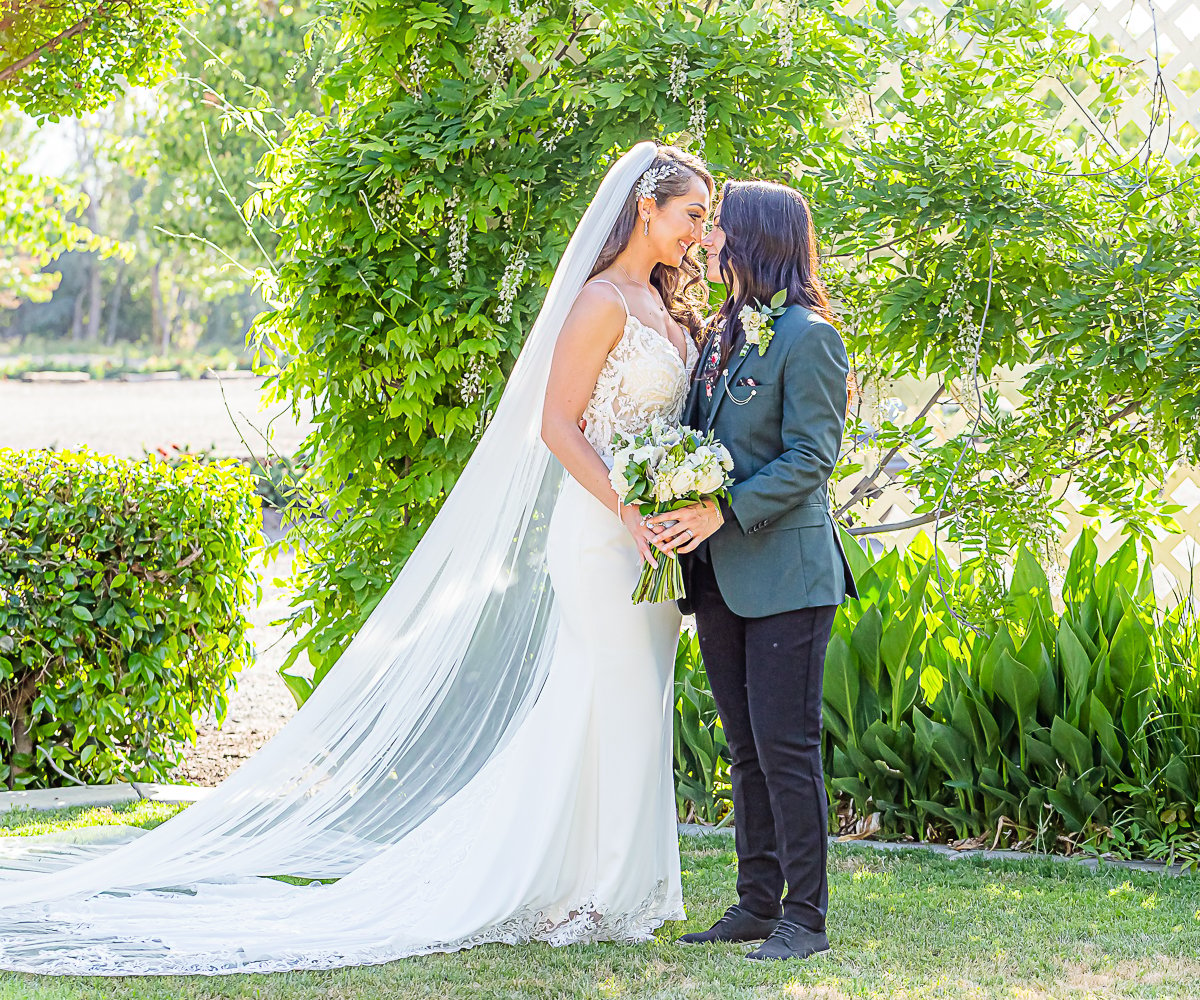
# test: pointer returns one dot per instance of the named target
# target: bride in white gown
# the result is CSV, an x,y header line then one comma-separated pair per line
x,y
490,760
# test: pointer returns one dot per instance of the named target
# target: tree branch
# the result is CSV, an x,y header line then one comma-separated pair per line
x,y
916,522
77,28
882,246
862,487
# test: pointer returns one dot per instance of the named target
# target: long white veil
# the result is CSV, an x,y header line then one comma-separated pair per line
x,y
434,684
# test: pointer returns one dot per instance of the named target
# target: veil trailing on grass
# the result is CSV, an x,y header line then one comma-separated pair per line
x,y
432,688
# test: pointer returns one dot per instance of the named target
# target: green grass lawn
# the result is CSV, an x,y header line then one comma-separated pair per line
x,y
903,927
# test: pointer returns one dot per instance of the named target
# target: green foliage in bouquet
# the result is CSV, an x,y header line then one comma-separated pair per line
x,y
1074,727
122,588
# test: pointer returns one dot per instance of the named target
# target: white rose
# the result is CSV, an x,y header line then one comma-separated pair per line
x,y
752,322
647,453
663,491
619,483
721,453
711,479
684,481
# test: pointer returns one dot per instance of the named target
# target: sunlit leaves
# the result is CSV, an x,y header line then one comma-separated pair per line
x,y
122,587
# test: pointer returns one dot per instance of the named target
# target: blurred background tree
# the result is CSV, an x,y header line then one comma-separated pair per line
x,y
166,172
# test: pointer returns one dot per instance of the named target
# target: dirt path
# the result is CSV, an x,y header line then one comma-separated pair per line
x,y
260,705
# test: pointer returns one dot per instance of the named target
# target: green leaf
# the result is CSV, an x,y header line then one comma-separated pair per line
x,y
1016,685
841,683
865,642
1076,668
1071,745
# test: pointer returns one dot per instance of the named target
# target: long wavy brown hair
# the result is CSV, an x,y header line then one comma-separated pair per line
x,y
682,288
770,244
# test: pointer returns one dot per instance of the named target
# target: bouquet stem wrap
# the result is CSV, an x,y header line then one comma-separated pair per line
x,y
664,580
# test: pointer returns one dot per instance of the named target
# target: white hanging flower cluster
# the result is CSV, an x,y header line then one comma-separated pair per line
x,y
502,40
957,284
788,14
471,385
458,241
1093,415
1041,400
510,284
319,72
968,335
678,78
417,68
293,72
698,122
390,200
967,340
787,44
1157,435
561,131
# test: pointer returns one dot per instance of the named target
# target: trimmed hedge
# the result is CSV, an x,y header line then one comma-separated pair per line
x,y
122,585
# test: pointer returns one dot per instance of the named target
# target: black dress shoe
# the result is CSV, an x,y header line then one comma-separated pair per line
x,y
790,940
738,924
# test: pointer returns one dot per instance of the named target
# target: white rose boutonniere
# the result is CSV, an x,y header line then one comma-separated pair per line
x,y
757,323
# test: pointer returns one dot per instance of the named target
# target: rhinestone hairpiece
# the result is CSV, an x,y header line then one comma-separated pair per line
x,y
649,180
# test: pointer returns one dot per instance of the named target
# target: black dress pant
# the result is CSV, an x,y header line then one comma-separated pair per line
x,y
766,676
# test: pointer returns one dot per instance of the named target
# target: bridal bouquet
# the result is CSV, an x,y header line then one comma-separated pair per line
x,y
665,468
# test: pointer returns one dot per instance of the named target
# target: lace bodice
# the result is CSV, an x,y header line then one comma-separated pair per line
x,y
643,379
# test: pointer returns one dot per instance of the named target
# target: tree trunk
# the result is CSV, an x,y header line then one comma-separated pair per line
x,y
22,723
114,306
95,309
180,326
77,317
22,743
157,320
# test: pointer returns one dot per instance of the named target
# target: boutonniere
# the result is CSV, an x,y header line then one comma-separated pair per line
x,y
757,323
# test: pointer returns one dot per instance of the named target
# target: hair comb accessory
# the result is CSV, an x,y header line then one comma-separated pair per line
x,y
648,182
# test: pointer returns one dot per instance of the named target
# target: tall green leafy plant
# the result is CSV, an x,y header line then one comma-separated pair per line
x,y
702,783
1071,723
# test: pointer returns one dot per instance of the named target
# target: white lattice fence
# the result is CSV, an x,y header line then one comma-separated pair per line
x,y
1163,37
1176,557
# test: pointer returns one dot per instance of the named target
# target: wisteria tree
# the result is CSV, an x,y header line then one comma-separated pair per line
x,y
423,218
422,222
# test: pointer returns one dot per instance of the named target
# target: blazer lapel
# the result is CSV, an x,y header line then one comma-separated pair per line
x,y
719,390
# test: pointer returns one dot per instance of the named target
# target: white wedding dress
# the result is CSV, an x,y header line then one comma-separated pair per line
x,y
490,761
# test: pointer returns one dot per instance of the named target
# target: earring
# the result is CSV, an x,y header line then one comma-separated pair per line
x,y
646,227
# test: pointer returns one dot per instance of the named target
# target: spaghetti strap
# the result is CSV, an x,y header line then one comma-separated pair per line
x,y
615,289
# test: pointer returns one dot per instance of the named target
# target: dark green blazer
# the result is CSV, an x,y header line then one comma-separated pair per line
x,y
781,416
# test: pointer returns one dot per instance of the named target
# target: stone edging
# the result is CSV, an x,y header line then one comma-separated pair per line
x,y
121,793
118,793
1087,861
